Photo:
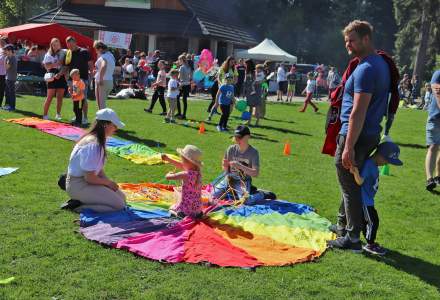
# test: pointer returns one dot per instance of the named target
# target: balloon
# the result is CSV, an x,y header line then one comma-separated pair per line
x,y
198,75
130,68
206,60
246,116
241,105
208,83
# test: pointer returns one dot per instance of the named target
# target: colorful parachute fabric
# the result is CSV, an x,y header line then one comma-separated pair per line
x,y
274,233
137,153
7,171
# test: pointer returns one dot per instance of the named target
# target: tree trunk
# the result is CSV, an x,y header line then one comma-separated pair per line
x,y
425,28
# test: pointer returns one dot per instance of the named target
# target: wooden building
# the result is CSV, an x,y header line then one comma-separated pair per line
x,y
172,26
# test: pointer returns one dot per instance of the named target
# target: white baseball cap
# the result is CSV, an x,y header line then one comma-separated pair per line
x,y
108,114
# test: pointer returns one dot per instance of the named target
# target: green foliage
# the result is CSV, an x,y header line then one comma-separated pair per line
x,y
49,260
408,15
15,12
311,29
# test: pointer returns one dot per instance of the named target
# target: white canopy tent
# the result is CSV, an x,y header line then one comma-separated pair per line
x,y
267,50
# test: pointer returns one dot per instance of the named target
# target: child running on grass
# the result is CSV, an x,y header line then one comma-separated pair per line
x,y
309,90
190,203
77,93
225,99
386,153
173,91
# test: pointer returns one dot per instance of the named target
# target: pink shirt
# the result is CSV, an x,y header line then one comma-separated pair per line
x,y
190,202
162,78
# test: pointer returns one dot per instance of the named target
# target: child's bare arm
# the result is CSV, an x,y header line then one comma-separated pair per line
x,y
174,162
176,176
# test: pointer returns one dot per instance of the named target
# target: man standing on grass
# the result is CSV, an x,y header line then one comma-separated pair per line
x,y
364,104
80,59
433,135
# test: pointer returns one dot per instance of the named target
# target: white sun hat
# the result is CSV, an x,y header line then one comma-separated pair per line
x,y
191,153
108,114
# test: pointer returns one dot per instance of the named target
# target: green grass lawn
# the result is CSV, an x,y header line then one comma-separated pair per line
x,y
39,246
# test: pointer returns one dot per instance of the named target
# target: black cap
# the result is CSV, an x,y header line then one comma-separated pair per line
x,y
242,131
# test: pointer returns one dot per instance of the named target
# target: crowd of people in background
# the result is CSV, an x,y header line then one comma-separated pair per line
x,y
127,74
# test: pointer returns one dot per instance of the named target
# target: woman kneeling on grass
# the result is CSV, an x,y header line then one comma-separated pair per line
x,y
86,181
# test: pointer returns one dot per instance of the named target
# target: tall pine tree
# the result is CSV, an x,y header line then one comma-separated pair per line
x,y
418,38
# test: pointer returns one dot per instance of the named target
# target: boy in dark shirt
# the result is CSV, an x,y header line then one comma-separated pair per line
x,y
386,153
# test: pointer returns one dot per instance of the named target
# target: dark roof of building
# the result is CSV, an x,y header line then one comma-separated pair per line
x,y
214,18
219,18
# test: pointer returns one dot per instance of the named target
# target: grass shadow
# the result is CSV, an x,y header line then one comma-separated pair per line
x,y
263,137
425,271
278,121
414,146
128,135
28,113
283,130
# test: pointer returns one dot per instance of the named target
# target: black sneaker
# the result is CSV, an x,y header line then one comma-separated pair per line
x,y
268,195
148,110
163,114
437,180
375,249
71,204
430,184
344,243
337,230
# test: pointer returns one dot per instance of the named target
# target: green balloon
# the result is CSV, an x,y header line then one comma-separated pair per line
x,y
241,105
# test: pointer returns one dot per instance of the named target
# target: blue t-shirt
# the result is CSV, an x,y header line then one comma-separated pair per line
x,y
433,109
370,174
371,76
226,94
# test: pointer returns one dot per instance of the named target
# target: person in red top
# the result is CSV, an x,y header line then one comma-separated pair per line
x,y
77,92
144,70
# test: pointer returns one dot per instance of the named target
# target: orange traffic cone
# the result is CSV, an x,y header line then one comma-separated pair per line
x,y
202,128
287,148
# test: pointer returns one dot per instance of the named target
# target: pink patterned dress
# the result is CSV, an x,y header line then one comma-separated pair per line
x,y
190,202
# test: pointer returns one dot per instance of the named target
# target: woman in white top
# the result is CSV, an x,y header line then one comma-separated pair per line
x,y
86,181
282,82
53,62
104,69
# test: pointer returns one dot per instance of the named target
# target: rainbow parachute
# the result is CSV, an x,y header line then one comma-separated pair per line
x,y
273,233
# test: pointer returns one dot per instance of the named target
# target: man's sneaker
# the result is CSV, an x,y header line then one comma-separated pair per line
x,y
430,184
148,110
437,180
163,114
337,230
45,117
84,121
166,120
375,249
208,119
173,121
58,117
344,243
219,129
268,195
